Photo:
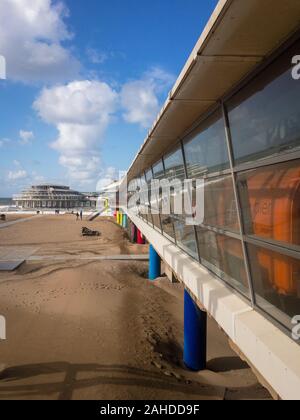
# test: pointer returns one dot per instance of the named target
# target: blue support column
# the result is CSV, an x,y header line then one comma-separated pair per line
x,y
124,221
195,335
154,264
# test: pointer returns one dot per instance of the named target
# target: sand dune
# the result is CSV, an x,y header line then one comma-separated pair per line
x,y
101,330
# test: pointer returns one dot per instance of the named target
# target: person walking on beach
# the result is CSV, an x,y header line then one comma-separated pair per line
x,y
77,216
81,214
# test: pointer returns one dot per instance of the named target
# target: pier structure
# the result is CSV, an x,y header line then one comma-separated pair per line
x,y
50,196
232,122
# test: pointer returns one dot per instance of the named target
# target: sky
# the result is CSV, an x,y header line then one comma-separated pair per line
x,y
85,80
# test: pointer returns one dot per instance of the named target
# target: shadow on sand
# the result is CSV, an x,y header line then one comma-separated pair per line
x,y
103,375
98,375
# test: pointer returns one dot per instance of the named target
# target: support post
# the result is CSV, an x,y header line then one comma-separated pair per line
x,y
154,264
133,233
121,219
140,239
125,221
195,335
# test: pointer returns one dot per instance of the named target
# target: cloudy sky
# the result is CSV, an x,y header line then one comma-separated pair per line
x,y
85,81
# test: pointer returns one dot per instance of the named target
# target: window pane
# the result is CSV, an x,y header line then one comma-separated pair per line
x,y
166,220
154,201
220,209
185,237
207,152
144,197
223,256
265,116
174,166
174,170
149,178
276,280
270,199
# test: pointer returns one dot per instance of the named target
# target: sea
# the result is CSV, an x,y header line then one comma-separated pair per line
x,y
6,201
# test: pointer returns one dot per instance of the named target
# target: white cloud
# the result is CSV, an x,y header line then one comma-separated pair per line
x,y
107,177
140,98
4,142
81,112
17,175
95,56
32,33
26,137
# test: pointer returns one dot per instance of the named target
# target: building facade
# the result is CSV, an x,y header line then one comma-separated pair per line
x,y
53,197
232,120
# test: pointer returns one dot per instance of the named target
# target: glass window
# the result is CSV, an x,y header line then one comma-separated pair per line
x,y
220,209
207,151
223,256
158,172
166,220
143,208
174,166
276,280
270,198
264,117
185,237
174,171
149,178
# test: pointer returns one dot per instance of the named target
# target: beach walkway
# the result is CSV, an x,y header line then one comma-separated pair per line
x,y
14,222
81,329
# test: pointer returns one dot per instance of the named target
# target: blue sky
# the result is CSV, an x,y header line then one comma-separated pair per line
x,y
85,80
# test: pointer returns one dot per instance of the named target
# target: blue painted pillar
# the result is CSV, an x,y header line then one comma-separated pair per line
x,y
124,221
154,264
195,335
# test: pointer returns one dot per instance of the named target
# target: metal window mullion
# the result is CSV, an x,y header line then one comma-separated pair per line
x,y
191,200
268,161
157,203
221,231
171,216
238,203
273,246
149,201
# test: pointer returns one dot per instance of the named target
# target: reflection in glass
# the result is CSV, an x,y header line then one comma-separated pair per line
x,y
270,198
166,220
220,209
264,117
149,178
143,208
185,237
276,279
223,256
207,151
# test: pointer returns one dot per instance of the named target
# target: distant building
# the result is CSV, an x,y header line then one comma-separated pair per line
x,y
51,196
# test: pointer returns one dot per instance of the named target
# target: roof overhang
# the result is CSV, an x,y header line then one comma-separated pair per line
x,y
238,37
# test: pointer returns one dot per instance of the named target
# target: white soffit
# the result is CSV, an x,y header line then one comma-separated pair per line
x,y
239,35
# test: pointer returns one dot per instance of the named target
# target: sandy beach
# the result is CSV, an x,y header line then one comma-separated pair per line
x,y
79,329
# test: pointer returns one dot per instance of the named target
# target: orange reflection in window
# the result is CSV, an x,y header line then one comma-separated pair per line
x,y
273,195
